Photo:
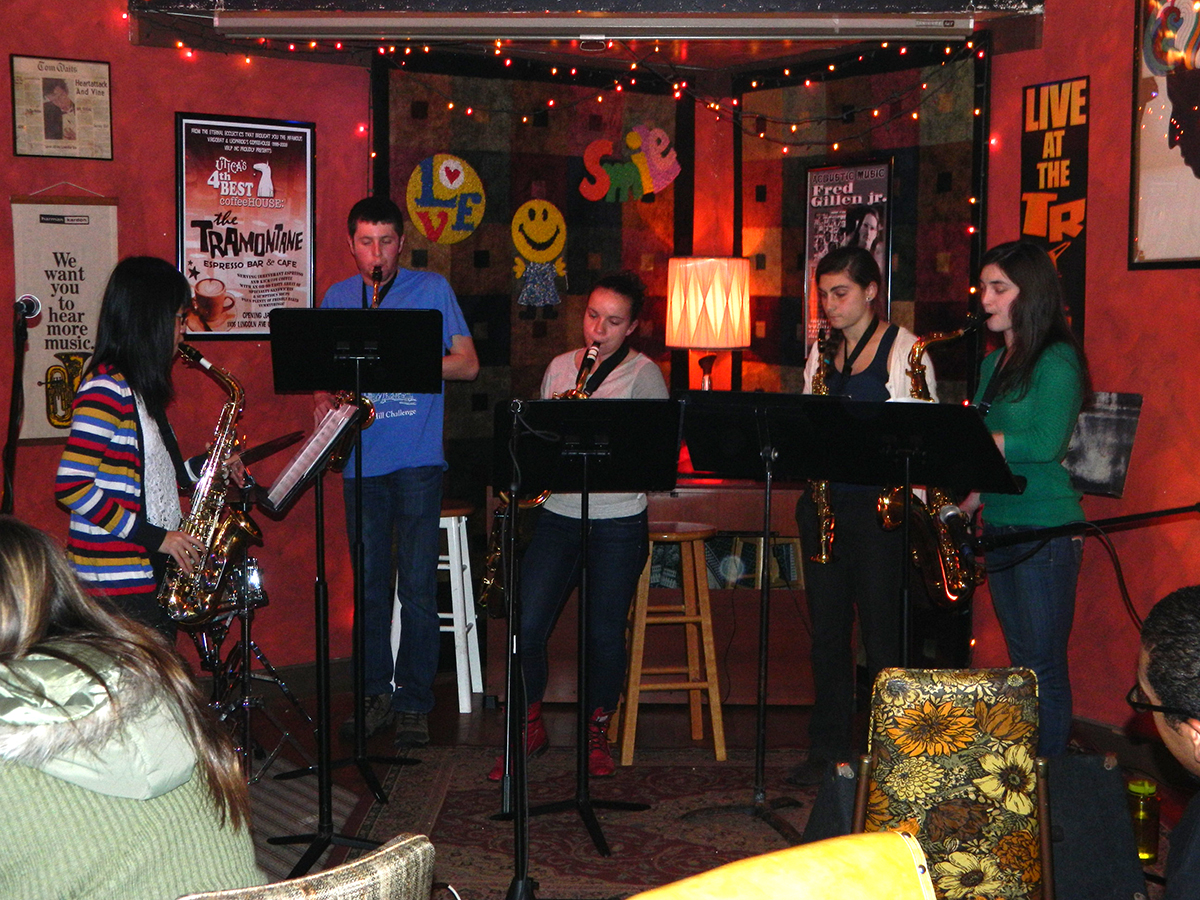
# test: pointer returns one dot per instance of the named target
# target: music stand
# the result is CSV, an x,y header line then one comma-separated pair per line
x,y
378,350
601,445
728,436
886,444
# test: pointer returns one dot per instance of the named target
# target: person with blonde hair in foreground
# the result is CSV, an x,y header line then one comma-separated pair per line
x,y
115,781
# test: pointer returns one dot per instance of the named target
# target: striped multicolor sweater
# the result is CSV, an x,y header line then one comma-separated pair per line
x,y
100,481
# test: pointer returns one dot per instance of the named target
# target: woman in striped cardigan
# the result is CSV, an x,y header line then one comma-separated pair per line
x,y
120,472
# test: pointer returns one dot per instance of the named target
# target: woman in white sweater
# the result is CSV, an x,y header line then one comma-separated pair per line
x,y
617,543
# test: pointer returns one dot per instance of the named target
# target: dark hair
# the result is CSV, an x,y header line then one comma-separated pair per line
x,y
860,265
1171,637
135,332
50,85
1038,316
854,219
45,610
376,211
629,286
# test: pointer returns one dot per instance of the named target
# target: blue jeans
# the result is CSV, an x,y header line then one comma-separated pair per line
x,y
617,550
1034,600
400,557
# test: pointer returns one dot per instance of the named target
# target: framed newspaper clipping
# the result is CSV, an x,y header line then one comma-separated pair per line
x,y
61,107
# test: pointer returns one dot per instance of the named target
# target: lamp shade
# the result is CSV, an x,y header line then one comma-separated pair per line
x,y
708,302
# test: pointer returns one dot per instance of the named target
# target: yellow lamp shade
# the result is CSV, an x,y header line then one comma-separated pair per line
x,y
708,302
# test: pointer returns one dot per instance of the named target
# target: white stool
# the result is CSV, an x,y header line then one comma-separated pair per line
x,y
461,619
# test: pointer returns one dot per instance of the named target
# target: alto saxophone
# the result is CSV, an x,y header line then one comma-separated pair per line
x,y
950,575
191,599
820,489
488,584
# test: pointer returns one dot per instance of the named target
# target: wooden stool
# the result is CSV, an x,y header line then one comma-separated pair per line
x,y
739,541
461,619
695,615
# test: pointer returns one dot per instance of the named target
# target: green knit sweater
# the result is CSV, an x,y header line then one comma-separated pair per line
x,y
1037,429
102,800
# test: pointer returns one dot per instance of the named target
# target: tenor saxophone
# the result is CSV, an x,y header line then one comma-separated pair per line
x,y
820,489
191,599
491,590
949,575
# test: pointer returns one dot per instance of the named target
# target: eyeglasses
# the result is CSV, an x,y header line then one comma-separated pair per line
x,y
1138,701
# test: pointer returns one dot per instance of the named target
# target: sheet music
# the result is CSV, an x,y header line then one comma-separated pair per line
x,y
310,457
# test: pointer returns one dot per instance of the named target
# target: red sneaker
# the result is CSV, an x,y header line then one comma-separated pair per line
x,y
600,761
536,739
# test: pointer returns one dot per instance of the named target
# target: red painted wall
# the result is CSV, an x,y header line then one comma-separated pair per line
x,y
1141,335
149,85
1140,325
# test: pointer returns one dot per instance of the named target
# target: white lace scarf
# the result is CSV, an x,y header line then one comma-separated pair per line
x,y
160,493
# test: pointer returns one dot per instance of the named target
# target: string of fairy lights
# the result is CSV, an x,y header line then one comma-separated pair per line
x,y
651,71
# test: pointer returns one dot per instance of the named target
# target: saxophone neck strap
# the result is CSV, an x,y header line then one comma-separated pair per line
x,y
851,356
993,386
604,368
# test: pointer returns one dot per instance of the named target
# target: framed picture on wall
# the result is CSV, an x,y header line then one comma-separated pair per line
x,y
1164,208
245,204
61,107
846,206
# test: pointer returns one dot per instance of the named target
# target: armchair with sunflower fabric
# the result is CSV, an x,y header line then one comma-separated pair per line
x,y
952,762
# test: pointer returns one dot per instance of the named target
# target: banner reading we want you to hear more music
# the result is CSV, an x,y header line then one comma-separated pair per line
x,y
64,249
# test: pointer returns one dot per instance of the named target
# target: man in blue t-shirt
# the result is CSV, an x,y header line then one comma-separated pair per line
x,y
402,469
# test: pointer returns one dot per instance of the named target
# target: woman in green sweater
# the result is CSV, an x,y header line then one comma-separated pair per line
x,y
1030,391
115,779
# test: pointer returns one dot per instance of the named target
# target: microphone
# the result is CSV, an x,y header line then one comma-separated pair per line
x,y
959,527
28,306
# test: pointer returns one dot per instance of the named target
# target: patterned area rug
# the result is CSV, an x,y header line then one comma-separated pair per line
x,y
284,808
448,798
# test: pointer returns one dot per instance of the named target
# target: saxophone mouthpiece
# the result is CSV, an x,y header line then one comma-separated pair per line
x,y
377,274
192,355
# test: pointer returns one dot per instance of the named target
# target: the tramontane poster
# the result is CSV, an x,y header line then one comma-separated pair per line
x,y
847,206
246,210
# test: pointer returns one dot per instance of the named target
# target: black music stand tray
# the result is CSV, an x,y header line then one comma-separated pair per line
x,y
600,445
357,350
889,444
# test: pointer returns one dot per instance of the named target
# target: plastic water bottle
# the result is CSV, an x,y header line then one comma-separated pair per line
x,y
1143,807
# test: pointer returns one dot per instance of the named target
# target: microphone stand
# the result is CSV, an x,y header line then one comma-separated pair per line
x,y
1044,534
16,407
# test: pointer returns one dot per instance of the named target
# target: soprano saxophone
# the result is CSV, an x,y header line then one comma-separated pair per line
x,y
950,576
820,489
192,599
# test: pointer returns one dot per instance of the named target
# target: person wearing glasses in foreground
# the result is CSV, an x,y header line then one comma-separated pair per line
x,y
1168,686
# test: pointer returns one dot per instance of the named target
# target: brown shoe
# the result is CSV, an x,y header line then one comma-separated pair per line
x,y
378,715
